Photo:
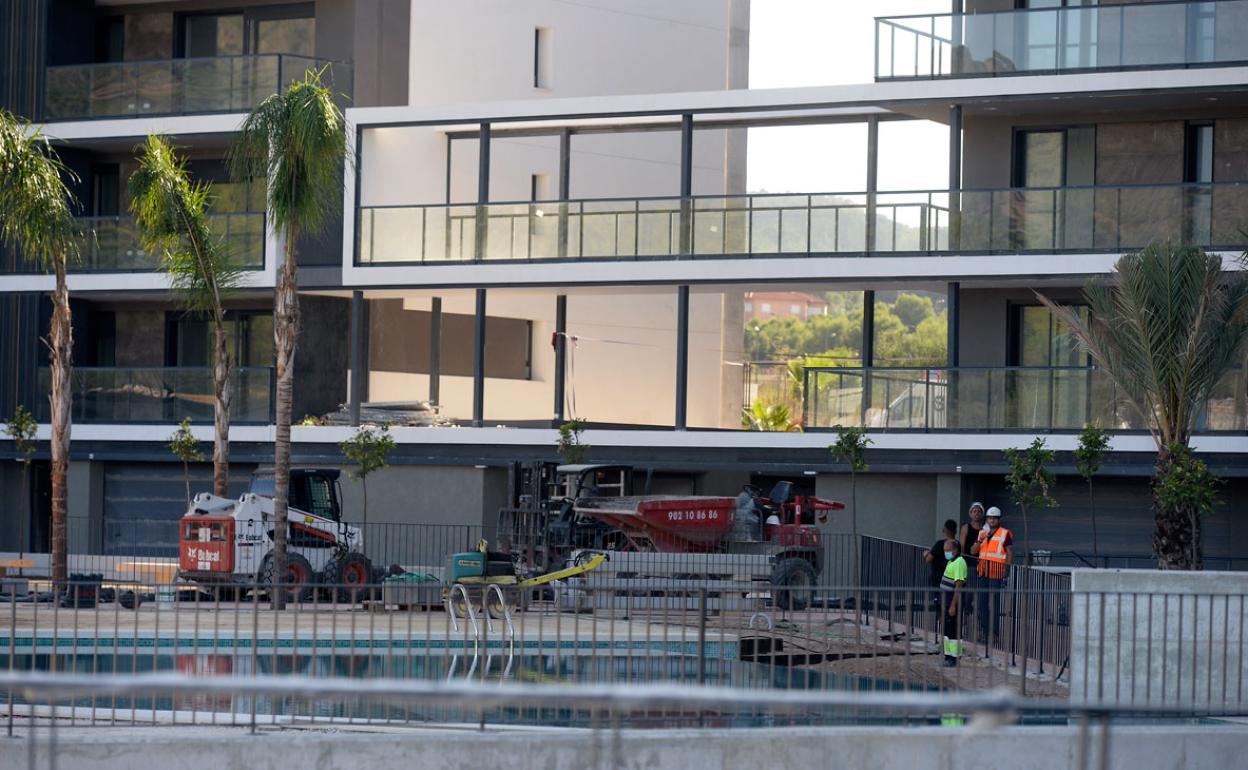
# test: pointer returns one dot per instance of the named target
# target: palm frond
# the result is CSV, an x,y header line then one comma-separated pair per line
x,y
36,205
1165,330
296,140
172,217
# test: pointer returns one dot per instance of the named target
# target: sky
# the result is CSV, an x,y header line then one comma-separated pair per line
x,y
796,43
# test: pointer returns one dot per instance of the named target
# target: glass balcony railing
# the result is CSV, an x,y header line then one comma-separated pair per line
x,y
161,395
177,86
925,222
1048,40
992,399
112,243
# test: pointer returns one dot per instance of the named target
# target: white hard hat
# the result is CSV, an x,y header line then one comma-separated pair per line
x,y
980,506
994,511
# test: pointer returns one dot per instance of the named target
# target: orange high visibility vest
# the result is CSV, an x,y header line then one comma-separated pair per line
x,y
992,557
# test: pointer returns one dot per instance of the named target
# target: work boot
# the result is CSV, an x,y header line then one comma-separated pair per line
x,y
950,662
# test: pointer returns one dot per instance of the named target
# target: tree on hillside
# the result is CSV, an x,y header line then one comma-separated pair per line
x,y
172,216
37,218
1165,328
296,141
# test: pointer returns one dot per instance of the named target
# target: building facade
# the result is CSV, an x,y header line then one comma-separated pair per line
x,y
548,215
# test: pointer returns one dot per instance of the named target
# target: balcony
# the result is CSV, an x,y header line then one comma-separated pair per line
x,y
111,245
177,86
1053,40
160,395
978,399
1005,221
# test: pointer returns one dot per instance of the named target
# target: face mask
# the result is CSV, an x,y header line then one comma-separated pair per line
x,y
948,555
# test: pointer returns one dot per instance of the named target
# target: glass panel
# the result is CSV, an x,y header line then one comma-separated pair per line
x,y
296,36
213,35
1041,158
1033,336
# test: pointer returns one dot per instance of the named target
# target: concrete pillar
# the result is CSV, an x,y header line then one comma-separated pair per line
x,y
435,350
478,362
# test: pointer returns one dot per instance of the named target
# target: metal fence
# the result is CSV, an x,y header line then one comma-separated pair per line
x,y
828,639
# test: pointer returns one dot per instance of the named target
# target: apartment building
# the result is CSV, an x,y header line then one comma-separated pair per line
x,y
548,216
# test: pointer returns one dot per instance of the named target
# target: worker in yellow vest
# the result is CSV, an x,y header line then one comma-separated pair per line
x,y
951,584
994,547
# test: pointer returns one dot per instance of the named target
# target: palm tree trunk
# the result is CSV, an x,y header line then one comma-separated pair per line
x,y
186,479
221,372
1172,528
22,537
1092,513
285,330
60,346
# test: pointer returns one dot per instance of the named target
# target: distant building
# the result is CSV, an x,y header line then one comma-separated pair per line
x,y
766,305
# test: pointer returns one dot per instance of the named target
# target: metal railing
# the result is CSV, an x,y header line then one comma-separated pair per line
x,y
165,395
1053,40
112,243
1000,221
178,86
992,398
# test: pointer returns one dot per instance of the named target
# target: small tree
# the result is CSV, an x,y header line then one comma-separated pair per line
x,y
185,447
1030,481
850,448
570,447
368,449
1093,444
1185,485
22,430
171,212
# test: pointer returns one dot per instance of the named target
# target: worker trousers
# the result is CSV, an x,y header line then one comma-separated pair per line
x,y
988,605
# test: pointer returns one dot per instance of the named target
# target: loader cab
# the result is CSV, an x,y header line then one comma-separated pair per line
x,y
312,490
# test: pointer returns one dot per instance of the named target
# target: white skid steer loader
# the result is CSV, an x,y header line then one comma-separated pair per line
x,y
227,545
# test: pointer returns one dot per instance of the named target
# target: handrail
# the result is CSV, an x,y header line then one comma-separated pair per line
x,y
881,194
1003,11
458,588
493,588
160,62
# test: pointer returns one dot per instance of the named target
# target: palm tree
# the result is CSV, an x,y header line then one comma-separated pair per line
x,y
37,218
1165,329
296,140
172,215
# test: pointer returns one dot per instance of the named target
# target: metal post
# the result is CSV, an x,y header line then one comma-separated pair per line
x,y
953,305
478,363
565,186
483,192
561,328
955,176
686,183
868,350
358,358
435,350
873,166
682,356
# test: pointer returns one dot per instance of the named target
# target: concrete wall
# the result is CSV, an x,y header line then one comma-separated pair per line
x,y
903,507
1157,747
461,504
1143,637
652,46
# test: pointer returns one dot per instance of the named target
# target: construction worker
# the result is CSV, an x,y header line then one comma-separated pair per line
x,y
951,585
995,548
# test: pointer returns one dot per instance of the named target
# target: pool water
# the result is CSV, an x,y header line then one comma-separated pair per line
x,y
541,668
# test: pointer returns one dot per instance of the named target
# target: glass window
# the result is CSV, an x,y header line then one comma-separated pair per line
x,y
1043,340
795,309
213,35
766,307
295,36
1040,159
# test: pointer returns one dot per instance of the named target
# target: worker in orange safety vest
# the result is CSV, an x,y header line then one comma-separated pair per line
x,y
995,548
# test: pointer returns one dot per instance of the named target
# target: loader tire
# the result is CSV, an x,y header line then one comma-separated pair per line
x,y
792,582
349,576
298,580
